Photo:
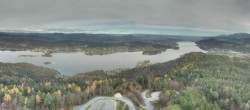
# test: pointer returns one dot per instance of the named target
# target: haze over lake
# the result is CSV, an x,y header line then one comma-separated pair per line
x,y
72,63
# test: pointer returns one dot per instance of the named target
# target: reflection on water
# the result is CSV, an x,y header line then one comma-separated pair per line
x,y
73,63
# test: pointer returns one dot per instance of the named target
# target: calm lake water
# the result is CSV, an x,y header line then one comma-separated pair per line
x,y
72,63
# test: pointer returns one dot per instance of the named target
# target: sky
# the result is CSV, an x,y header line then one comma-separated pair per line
x,y
171,17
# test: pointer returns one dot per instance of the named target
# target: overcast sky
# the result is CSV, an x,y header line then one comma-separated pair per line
x,y
183,17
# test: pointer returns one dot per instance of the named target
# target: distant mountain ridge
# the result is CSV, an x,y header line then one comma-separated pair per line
x,y
121,36
91,44
239,42
230,36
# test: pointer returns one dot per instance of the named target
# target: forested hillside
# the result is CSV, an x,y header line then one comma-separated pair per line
x,y
194,81
218,82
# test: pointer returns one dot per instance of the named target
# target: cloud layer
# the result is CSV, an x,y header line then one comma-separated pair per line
x,y
216,16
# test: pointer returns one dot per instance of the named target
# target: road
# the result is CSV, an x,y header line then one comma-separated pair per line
x,y
104,103
148,104
109,103
154,97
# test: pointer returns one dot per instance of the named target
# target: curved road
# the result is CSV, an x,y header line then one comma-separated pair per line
x,y
149,106
154,97
108,103
93,102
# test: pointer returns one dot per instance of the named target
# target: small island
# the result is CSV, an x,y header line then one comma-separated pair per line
x,y
47,63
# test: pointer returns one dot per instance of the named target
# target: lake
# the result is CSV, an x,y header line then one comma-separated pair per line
x,y
72,63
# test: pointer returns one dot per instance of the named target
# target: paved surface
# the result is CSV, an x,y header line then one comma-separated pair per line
x,y
154,97
148,105
104,103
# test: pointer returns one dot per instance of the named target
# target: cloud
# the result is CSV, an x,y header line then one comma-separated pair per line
x,y
199,15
